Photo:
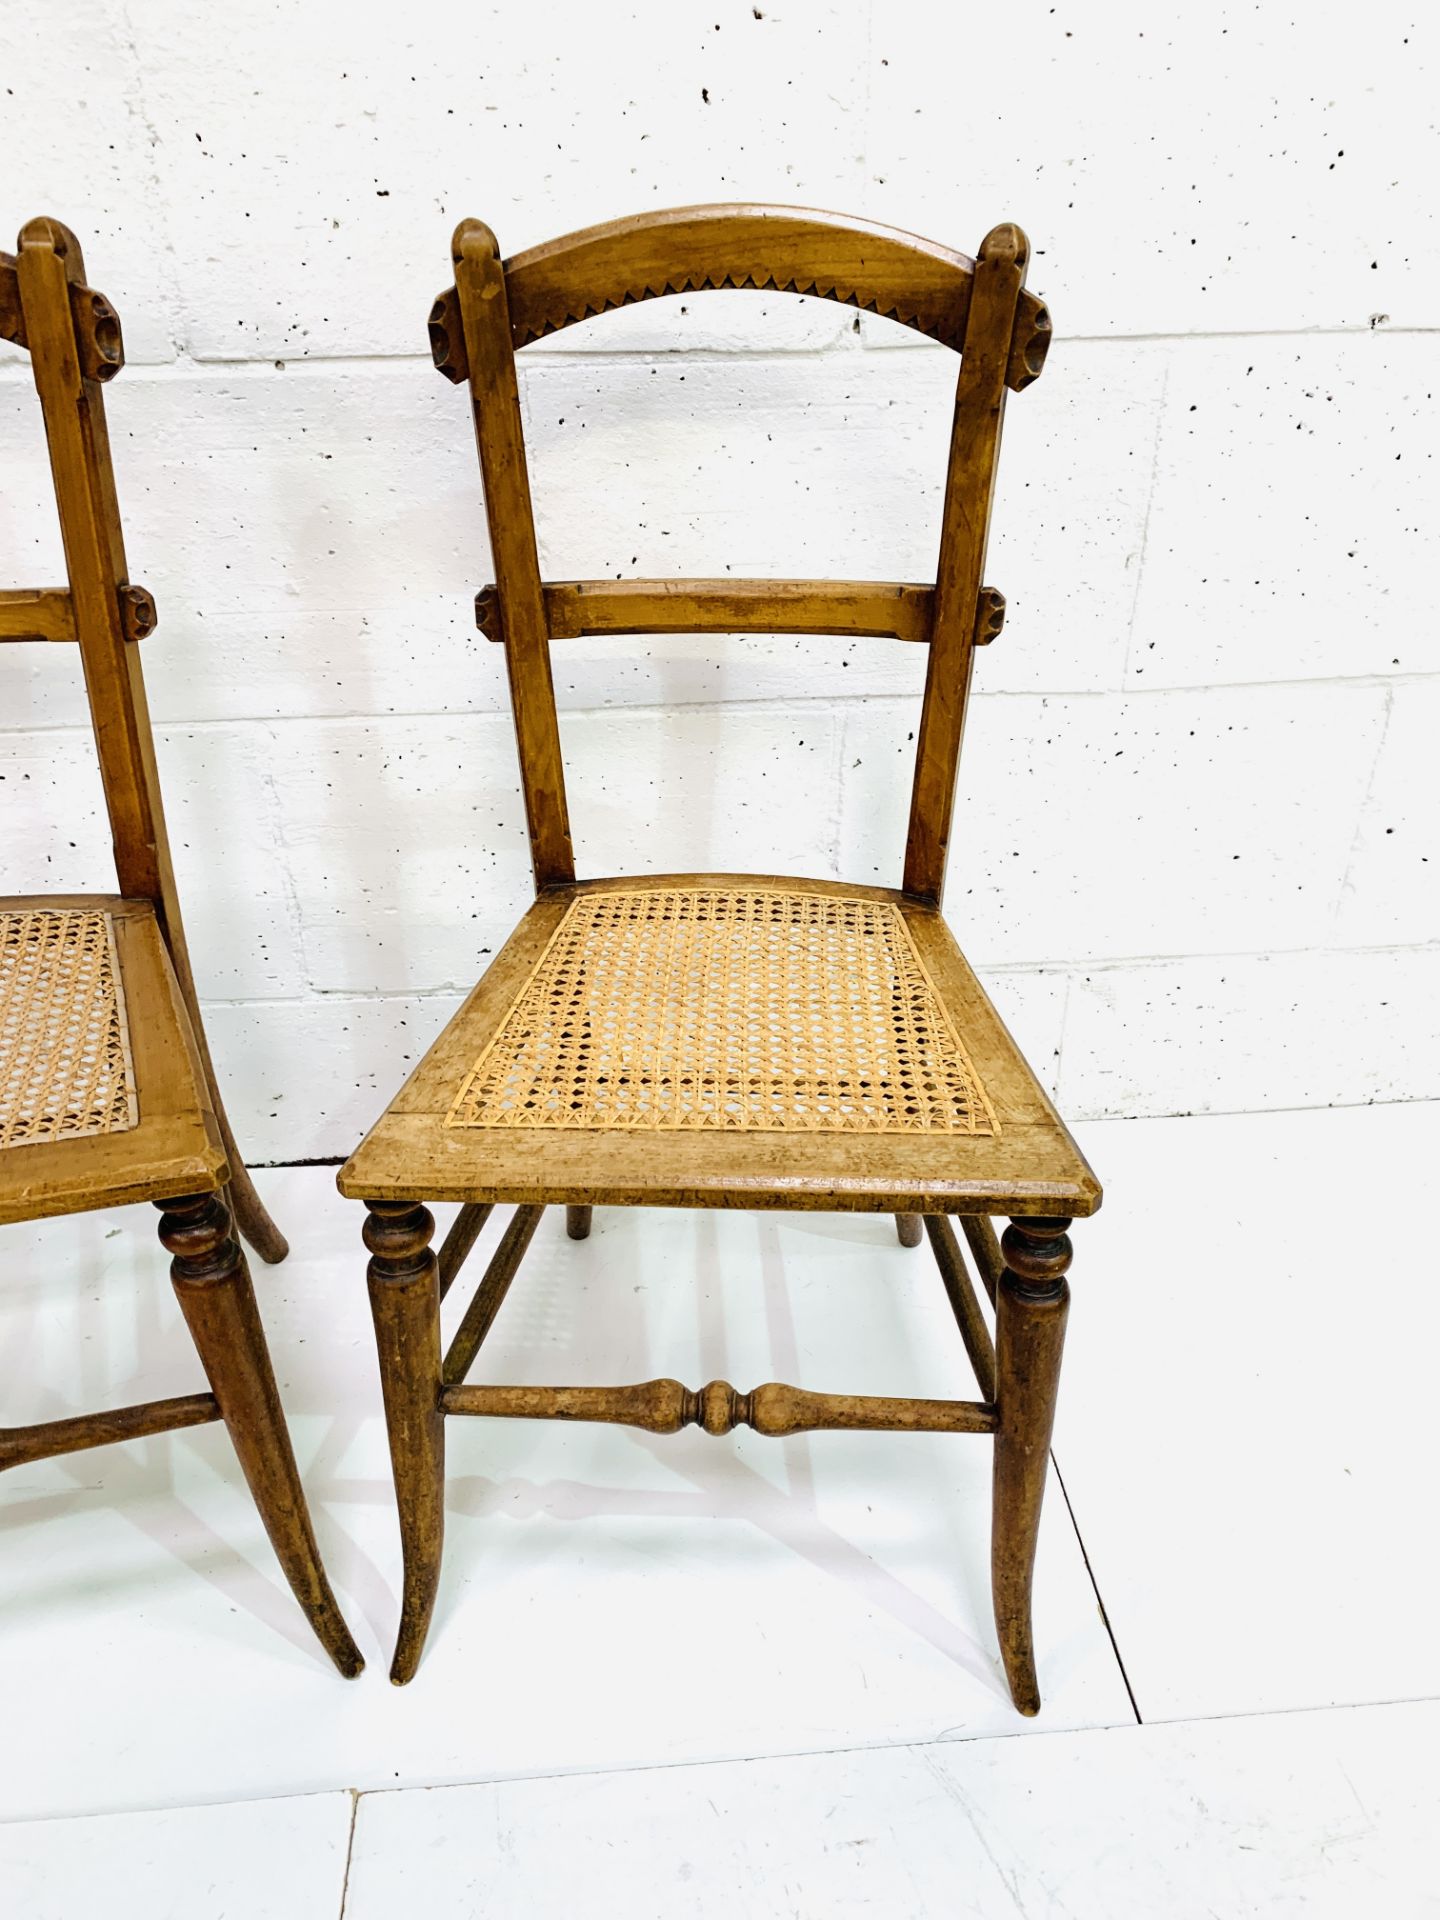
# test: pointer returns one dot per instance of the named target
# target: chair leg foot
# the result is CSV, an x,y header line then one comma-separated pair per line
x,y
1031,1309
577,1222
213,1286
909,1229
405,1303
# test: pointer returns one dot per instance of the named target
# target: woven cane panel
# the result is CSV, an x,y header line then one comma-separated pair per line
x,y
723,1009
65,1069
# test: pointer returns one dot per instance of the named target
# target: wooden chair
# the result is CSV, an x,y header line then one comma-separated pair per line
x,y
107,1092
731,1040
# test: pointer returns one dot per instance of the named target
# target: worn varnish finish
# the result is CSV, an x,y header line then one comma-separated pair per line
x,y
180,1153
768,249
985,1247
500,440
1026,1166
964,530
50,1437
1031,1166
213,1285
872,609
405,1303
664,1406
1033,1302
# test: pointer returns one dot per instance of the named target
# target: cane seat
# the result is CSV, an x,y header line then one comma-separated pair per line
x,y
102,1096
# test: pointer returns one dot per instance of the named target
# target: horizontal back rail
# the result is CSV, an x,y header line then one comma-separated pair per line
x,y
769,249
880,608
36,613
48,613
869,609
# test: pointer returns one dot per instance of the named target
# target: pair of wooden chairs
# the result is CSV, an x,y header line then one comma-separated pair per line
x,y
688,1039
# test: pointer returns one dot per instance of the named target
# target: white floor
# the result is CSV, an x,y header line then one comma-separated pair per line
x,y
758,1677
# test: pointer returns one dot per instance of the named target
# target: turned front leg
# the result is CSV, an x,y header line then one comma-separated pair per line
x,y
1032,1302
405,1303
213,1286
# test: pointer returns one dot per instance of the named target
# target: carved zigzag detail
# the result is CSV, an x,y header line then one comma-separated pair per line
x,y
566,313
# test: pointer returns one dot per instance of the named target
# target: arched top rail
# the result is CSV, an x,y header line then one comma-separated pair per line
x,y
778,249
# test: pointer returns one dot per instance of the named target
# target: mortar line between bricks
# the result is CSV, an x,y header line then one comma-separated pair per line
x,y
289,890
780,703
1362,814
166,257
840,348
1067,970
1075,1118
1151,487
1058,1079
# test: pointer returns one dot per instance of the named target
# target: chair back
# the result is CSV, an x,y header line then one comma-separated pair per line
x,y
979,308
72,334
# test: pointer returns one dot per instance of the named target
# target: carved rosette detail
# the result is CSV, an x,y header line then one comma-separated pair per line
x,y
1038,1253
990,616
1027,353
487,612
447,337
196,1231
100,345
138,616
97,334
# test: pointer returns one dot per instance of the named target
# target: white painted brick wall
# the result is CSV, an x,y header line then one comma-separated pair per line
x,y
1197,855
